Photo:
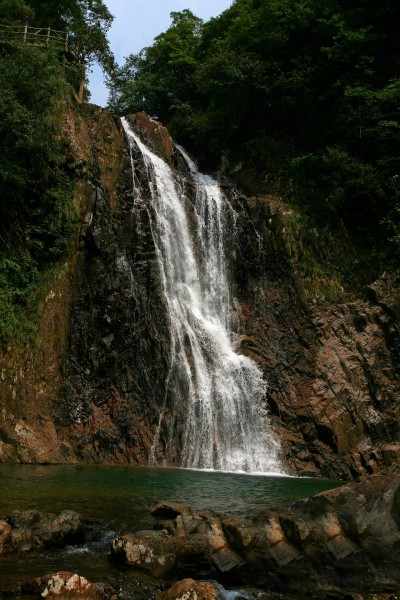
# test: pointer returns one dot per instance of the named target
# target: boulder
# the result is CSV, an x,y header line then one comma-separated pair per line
x,y
65,529
5,534
149,550
366,512
223,557
188,589
69,585
169,510
29,530
192,555
337,541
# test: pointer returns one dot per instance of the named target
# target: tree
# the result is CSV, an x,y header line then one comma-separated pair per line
x,y
15,11
37,215
305,92
155,77
87,22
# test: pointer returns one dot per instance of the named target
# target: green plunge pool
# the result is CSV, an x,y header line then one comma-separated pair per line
x,y
120,497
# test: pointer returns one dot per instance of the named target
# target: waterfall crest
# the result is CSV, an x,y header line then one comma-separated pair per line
x,y
219,391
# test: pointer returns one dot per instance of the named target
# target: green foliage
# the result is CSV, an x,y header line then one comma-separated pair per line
x,y
327,265
37,215
37,211
16,11
87,22
304,92
152,79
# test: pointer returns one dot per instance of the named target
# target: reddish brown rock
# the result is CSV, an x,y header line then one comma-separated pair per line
x,y
155,135
188,589
333,369
69,585
169,510
149,550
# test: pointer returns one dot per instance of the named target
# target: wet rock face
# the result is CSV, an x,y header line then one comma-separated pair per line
x,y
117,360
22,532
332,371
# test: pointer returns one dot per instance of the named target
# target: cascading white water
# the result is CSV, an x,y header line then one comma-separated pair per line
x,y
226,427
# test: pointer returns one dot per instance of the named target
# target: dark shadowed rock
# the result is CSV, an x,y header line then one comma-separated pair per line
x,y
30,530
338,541
169,510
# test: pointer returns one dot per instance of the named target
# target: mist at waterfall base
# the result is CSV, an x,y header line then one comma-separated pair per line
x,y
216,390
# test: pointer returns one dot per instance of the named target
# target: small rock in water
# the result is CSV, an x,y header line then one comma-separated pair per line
x,y
149,550
65,585
169,510
29,530
189,589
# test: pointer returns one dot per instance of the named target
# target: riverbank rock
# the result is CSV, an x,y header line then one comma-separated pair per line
x,y
188,589
149,550
344,540
66,585
30,530
191,543
169,510
69,585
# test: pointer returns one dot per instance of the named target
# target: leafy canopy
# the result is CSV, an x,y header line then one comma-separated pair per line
x,y
37,211
305,93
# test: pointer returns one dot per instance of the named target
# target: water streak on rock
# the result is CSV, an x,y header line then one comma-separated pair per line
x,y
219,390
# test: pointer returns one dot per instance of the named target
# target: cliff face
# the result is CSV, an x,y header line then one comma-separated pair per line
x,y
92,388
117,360
33,382
332,370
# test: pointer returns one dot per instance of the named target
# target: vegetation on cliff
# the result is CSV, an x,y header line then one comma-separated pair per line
x,y
37,171
303,93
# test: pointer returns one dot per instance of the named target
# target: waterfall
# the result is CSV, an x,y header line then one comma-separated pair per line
x,y
221,391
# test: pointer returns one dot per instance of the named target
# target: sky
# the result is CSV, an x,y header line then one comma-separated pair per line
x,y
137,23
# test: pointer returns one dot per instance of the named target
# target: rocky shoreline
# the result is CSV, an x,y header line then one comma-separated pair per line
x,y
339,544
